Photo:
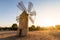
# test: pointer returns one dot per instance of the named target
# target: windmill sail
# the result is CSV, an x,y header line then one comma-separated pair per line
x,y
33,13
31,19
30,6
21,6
17,18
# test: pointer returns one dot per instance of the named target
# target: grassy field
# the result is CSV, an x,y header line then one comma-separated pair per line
x,y
33,35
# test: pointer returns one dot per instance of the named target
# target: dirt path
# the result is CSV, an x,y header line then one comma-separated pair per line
x,y
34,35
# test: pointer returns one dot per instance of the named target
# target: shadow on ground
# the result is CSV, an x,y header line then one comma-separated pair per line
x,y
35,36
9,38
15,37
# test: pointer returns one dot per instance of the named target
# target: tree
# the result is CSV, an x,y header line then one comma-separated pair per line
x,y
14,26
32,28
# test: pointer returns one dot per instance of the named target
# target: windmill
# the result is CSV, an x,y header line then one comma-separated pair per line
x,y
24,16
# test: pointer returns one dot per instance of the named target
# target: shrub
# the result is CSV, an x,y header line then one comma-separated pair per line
x,y
32,28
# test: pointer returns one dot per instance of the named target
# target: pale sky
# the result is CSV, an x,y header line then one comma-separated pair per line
x,y
47,12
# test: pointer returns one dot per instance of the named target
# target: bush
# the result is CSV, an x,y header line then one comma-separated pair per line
x,y
32,28
14,27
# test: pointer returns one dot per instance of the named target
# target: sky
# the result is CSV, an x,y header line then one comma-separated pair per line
x,y
47,12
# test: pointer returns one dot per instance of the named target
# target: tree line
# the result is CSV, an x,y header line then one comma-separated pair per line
x,y
13,27
31,28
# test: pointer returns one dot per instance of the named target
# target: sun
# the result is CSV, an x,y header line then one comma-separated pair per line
x,y
48,22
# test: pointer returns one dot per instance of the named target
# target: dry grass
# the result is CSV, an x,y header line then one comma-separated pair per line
x,y
33,35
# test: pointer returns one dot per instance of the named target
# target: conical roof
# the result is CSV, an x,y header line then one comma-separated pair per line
x,y
24,13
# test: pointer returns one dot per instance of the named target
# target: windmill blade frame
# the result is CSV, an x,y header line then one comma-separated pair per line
x,y
21,5
33,13
30,5
17,18
31,19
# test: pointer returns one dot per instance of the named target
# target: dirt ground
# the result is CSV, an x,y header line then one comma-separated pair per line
x,y
33,35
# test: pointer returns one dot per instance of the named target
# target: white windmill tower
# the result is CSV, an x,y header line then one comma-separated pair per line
x,y
23,18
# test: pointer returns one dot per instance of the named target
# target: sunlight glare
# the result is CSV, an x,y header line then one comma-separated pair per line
x,y
48,22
